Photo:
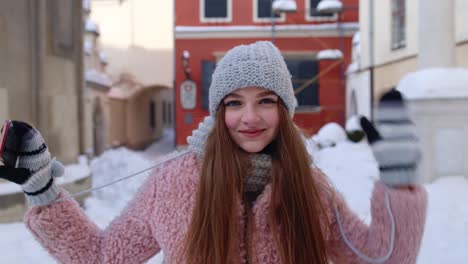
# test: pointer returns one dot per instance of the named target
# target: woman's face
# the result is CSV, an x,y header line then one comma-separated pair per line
x,y
252,117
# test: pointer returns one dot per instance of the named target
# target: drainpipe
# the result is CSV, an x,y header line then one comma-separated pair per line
x,y
79,72
35,61
371,58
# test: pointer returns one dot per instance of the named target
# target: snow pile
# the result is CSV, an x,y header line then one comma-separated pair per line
x,y
88,47
446,235
330,54
103,58
91,27
352,169
94,76
329,6
87,6
114,164
435,83
330,135
353,123
284,6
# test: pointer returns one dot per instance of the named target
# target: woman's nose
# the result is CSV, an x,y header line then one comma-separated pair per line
x,y
250,114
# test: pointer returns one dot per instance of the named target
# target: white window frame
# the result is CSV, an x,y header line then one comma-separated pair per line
x,y
308,17
204,19
257,19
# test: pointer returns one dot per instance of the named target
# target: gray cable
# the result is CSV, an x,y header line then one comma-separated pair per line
x,y
392,235
169,158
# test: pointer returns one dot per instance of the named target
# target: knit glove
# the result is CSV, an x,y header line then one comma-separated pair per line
x,y
27,162
394,143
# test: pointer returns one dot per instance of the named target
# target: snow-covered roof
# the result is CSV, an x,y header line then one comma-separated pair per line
x,y
284,6
91,26
103,58
86,6
88,47
329,6
435,83
354,123
356,38
96,77
352,67
330,54
330,134
119,93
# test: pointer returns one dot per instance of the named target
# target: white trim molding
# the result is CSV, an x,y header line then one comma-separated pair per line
x,y
308,17
227,19
257,19
293,31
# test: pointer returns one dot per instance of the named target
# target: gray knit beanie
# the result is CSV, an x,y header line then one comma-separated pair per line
x,y
259,64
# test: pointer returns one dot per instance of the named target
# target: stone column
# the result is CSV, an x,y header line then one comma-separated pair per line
x,y
436,34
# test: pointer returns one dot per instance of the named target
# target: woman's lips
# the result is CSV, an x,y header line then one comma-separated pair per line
x,y
251,133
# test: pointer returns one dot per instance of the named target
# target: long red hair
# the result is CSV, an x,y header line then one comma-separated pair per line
x,y
298,215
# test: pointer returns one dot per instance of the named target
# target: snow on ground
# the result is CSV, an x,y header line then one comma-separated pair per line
x,y
435,83
350,166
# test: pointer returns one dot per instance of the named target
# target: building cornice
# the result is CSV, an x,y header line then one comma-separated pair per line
x,y
282,31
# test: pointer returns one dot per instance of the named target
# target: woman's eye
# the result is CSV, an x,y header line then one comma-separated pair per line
x,y
268,101
232,103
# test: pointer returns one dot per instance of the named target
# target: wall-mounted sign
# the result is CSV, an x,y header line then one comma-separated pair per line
x,y
188,94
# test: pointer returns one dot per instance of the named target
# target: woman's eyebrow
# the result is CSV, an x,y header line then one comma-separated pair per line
x,y
232,95
265,93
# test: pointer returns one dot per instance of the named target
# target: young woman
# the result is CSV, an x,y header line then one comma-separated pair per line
x,y
244,193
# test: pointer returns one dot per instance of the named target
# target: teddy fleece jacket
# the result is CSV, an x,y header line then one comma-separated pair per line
x,y
159,215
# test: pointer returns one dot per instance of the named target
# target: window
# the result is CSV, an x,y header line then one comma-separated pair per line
x,y
165,119
215,10
262,11
302,71
169,113
398,24
313,15
208,68
152,114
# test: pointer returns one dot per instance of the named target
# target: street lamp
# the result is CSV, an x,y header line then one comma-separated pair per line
x,y
278,7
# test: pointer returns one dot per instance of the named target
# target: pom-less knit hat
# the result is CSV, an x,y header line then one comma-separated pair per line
x,y
259,64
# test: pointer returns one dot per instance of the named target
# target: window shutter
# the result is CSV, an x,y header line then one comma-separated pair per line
x,y
207,70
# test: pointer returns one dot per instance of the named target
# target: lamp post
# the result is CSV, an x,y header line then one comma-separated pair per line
x,y
278,7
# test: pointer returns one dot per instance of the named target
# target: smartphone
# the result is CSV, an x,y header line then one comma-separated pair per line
x,y
9,145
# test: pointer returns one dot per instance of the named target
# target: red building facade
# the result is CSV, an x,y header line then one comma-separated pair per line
x,y
206,29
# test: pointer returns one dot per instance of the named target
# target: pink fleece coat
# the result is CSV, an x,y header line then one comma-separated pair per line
x,y
159,215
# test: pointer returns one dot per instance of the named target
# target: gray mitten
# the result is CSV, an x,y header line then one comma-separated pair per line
x,y
394,142
27,162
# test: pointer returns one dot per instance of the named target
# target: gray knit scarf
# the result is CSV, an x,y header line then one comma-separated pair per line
x,y
259,174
